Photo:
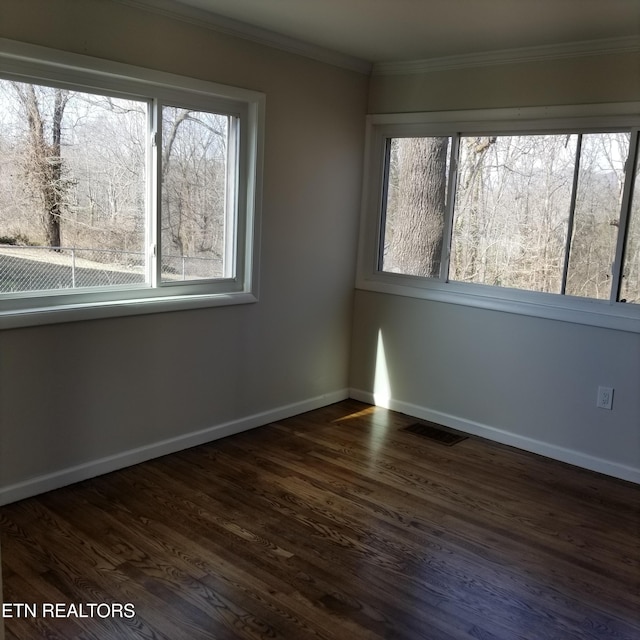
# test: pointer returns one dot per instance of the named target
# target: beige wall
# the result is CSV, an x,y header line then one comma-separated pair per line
x,y
74,393
568,81
526,381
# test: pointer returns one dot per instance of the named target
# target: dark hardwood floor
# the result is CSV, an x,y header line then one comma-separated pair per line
x,y
335,524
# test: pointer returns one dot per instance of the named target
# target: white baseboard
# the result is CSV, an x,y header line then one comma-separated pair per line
x,y
555,452
91,469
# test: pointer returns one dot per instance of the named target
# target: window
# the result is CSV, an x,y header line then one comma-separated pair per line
x,y
532,211
122,190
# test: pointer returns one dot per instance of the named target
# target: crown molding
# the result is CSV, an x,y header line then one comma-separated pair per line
x,y
510,56
192,15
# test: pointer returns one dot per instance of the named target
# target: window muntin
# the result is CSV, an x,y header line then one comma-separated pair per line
x,y
630,280
537,212
596,222
243,111
198,213
582,122
72,195
72,189
510,212
414,207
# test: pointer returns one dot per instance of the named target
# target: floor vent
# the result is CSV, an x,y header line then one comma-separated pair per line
x,y
436,433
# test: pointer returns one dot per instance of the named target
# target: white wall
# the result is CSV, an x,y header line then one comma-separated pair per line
x,y
84,397
521,380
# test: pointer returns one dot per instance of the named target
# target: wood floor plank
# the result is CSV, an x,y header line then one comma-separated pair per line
x,y
335,524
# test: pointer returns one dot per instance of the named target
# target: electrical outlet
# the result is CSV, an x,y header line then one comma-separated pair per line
x,y
605,398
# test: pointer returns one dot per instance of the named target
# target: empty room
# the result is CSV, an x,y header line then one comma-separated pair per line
x,y
320,319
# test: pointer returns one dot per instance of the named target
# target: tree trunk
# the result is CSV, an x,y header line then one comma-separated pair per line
x,y
45,163
415,247
53,188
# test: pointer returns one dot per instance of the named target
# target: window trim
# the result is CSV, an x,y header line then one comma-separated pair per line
x,y
31,63
529,120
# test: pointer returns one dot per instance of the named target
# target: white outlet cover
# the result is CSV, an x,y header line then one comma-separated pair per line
x,y
605,398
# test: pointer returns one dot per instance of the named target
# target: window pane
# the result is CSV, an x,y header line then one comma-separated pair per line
x,y
415,206
72,194
511,210
597,214
630,288
196,216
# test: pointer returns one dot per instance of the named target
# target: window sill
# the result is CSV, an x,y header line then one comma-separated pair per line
x,y
74,312
595,313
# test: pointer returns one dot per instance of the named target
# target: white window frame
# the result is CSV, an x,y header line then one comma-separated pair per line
x,y
39,65
517,121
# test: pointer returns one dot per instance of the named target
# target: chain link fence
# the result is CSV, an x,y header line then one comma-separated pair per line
x,y
26,268
190,268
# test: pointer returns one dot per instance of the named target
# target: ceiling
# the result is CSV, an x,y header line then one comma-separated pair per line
x,y
407,30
